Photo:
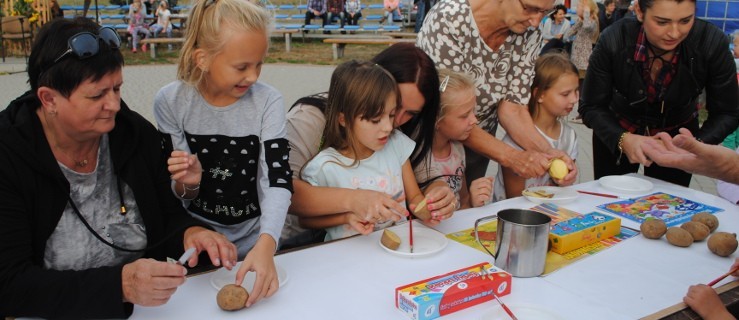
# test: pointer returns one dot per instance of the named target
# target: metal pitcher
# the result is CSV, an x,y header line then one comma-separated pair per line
x,y
521,241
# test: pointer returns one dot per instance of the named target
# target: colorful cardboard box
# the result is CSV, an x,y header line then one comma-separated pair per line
x,y
581,231
441,295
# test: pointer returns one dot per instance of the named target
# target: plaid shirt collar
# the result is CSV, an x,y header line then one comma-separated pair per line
x,y
657,87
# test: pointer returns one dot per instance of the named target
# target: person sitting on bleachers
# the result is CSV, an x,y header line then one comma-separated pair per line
x,y
392,8
163,23
335,10
137,26
316,8
352,12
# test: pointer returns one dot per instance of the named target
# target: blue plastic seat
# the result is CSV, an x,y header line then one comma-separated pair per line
x,y
287,7
282,16
371,27
331,27
293,26
352,28
298,16
391,28
376,6
373,17
311,27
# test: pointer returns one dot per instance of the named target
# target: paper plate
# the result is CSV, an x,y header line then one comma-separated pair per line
x,y
559,195
425,241
522,312
222,277
625,184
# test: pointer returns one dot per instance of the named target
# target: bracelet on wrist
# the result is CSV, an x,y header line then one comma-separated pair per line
x,y
621,141
197,187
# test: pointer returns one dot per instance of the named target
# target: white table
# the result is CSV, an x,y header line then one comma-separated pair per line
x,y
356,279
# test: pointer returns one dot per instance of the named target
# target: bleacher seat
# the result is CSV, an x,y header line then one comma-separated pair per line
x,y
373,17
311,27
391,28
331,27
293,26
112,7
302,7
287,7
376,6
298,16
371,27
351,28
282,16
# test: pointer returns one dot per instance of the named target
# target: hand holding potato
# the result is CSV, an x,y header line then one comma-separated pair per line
x,y
260,260
147,282
440,200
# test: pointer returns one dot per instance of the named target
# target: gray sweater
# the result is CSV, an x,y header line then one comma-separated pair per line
x,y
246,184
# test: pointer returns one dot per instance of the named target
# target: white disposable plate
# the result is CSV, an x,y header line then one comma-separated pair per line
x,y
425,241
560,195
521,311
625,184
222,277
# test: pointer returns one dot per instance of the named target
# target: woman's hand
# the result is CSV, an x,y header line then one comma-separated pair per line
x,y
632,147
371,205
481,191
185,168
147,282
260,260
528,164
706,302
218,247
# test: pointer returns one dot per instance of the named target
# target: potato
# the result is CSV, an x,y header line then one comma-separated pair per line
x,y
698,230
722,243
653,228
558,169
680,237
390,239
232,297
706,218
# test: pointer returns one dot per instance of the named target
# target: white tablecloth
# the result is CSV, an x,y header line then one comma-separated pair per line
x,y
356,278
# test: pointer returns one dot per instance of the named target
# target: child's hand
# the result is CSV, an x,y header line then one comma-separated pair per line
x,y
260,260
481,191
185,168
358,224
440,201
571,176
706,302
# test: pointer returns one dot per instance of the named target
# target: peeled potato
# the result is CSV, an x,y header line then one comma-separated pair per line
x,y
680,237
722,243
232,297
558,169
390,239
698,230
653,228
708,219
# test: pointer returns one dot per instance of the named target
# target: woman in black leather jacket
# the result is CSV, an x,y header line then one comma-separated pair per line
x,y
645,76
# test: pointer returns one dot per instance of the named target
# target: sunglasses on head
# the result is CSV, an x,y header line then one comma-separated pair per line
x,y
86,44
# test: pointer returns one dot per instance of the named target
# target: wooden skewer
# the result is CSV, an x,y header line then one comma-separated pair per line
x,y
715,281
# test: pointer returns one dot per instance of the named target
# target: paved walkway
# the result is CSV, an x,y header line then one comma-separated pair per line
x,y
141,83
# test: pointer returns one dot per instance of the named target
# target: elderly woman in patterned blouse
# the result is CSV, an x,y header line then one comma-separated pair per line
x,y
497,43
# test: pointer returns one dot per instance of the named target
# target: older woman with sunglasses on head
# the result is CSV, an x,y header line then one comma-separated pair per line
x,y
497,43
85,198
645,77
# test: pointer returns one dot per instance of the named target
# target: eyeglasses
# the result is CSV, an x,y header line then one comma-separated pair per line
x,y
534,11
86,44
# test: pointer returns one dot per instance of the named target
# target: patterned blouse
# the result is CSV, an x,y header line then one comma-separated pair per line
x,y
586,33
451,38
